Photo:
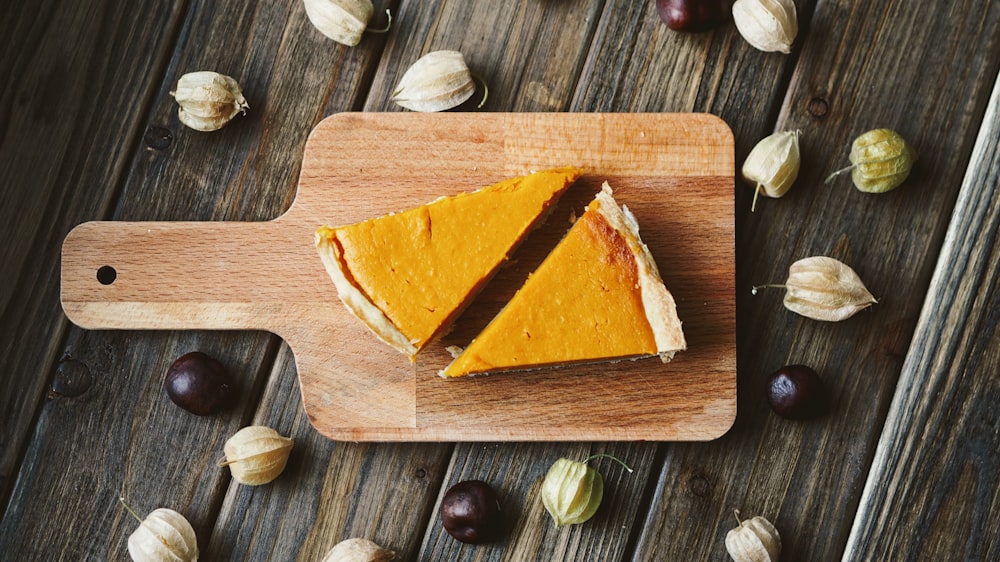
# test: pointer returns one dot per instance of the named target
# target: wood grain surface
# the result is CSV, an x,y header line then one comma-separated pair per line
x,y
65,166
673,170
851,75
902,468
937,447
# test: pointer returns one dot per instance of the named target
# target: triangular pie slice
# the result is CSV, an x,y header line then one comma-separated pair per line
x,y
597,297
408,275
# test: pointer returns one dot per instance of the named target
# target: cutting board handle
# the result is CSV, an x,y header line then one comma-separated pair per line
x,y
189,275
232,276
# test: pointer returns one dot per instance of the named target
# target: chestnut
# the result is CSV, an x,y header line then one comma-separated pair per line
x,y
694,15
470,512
200,384
796,392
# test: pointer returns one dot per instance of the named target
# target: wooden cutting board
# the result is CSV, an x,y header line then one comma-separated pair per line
x,y
674,171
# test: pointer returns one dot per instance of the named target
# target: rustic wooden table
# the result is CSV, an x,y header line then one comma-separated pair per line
x,y
904,467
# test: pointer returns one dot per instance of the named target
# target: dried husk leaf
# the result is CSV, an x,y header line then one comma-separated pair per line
x,y
572,492
823,288
438,81
208,100
164,535
773,164
344,21
358,550
755,540
768,25
257,454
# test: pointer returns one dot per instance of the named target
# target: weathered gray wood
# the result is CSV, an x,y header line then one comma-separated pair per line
x,y
516,472
544,47
78,77
529,53
333,490
939,447
641,75
920,67
857,69
638,25
124,436
715,72
124,431
330,491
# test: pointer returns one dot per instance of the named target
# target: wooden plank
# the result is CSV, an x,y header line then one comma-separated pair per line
x,y
939,446
760,466
336,490
515,41
529,53
124,432
852,75
125,436
180,275
440,25
78,80
516,472
329,491
631,51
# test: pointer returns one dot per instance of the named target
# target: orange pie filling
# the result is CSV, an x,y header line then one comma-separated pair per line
x,y
408,275
597,297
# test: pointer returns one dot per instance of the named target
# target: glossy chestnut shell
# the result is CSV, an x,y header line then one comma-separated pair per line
x,y
200,384
470,512
796,392
694,15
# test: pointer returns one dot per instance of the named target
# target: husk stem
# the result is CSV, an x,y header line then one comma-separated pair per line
x,y
829,179
756,288
387,27
486,89
612,457
129,509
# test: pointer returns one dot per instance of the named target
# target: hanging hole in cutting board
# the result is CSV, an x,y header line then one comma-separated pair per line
x,y
106,275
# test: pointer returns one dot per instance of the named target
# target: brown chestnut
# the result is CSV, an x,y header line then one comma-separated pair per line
x,y
694,15
470,512
796,392
200,384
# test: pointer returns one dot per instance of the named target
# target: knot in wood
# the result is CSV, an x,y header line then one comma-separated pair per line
x,y
157,138
818,107
72,379
699,485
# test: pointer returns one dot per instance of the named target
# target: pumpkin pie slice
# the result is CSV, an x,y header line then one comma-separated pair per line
x,y
408,275
597,297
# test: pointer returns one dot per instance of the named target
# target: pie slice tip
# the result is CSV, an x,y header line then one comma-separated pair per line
x,y
356,301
